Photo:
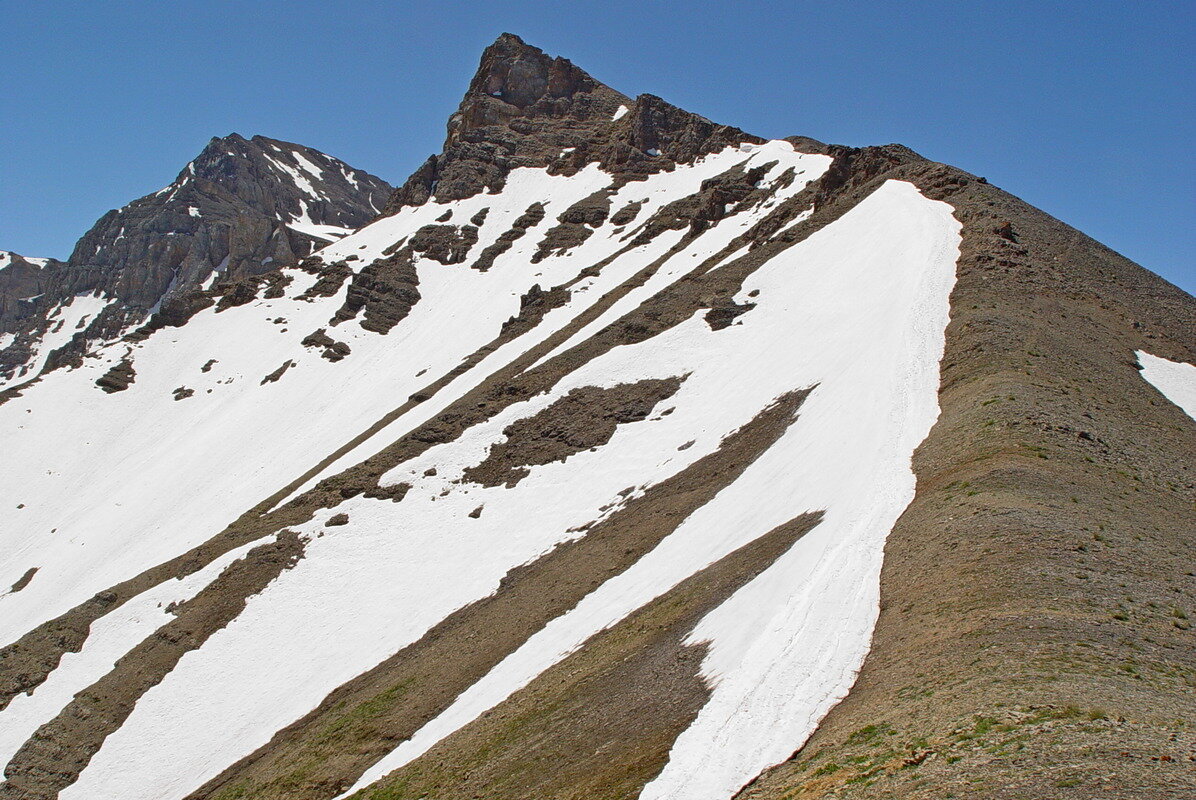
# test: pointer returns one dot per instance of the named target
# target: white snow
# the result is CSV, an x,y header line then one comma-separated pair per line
x,y
655,193
349,175
7,257
303,223
328,233
192,210
619,112
117,521
295,175
1175,380
859,310
307,166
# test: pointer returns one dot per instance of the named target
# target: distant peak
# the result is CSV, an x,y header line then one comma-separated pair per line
x,y
515,79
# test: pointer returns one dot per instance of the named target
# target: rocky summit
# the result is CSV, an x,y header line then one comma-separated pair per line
x,y
616,454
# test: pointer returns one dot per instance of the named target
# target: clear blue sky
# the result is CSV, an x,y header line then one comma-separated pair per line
x,y
1084,109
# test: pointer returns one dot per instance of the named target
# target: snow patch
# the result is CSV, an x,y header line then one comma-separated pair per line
x,y
1175,380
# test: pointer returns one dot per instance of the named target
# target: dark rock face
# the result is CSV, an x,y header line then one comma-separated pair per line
x,y
448,244
384,292
583,419
530,218
22,280
527,109
533,305
576,224
724,313
333,350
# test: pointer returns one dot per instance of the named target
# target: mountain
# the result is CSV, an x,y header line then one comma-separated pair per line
x,y
625,455
240,207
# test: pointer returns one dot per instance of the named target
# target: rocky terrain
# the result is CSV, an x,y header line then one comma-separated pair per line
x,y
623,455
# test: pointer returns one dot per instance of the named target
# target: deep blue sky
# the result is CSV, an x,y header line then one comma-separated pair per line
x,y
1084,109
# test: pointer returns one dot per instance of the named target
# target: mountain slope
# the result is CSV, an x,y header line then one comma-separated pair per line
x,y
656,434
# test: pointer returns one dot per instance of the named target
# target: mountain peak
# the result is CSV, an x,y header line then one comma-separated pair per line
x,y
522,75
525,108
516,80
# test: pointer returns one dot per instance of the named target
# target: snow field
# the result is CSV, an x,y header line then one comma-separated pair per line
x,y
148,476
389,554
65,321
859,310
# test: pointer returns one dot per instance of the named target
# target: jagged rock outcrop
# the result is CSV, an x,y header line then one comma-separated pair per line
x,y
525,108
22,281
